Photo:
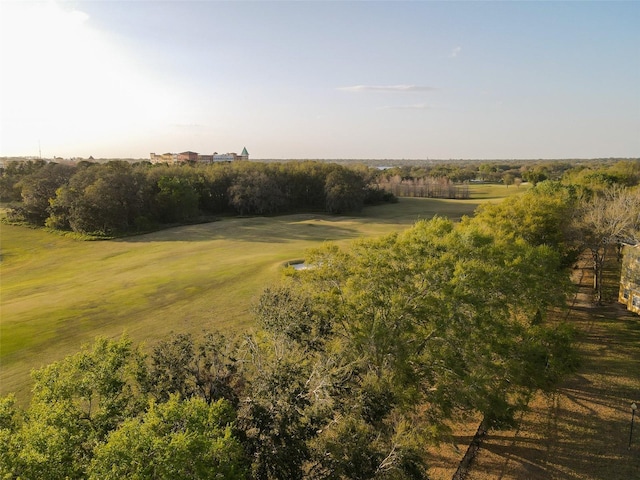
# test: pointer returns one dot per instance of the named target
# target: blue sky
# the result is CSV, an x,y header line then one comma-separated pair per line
x,y
485,80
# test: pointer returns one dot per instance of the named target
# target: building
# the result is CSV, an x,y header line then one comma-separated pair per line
x,y
231,157
164,158
224,157
194,157
187,157
630,278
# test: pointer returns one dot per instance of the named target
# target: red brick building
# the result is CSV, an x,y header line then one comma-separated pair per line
x,y
188,157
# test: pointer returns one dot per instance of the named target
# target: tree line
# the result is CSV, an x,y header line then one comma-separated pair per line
x,y
583,172
423,187
119,197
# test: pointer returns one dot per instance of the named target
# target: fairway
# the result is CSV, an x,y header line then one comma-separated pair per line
x,y
59,293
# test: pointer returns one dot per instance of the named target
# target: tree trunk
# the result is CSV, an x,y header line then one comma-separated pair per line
x,y
472,451
598,266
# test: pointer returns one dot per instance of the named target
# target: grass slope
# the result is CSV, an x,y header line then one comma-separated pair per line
x,y
59,293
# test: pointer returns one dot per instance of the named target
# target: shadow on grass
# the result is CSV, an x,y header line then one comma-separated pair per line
x,y
310,226
283,229
574,434
582,430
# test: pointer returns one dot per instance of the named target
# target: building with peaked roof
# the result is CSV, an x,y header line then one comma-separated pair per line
x,y
194,157
630,278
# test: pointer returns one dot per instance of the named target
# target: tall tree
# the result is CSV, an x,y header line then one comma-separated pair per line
x,y
39,188
12,173
256,193
76,402
100,199
275,414
207,370
177,199
607,220
344,191
416,328
540,216
508,179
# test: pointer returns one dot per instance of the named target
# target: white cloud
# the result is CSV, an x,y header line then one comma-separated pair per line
x,y
455,52
387,88
415,106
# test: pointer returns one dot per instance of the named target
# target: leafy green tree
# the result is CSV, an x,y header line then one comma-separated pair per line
x,y
354,449
76,402
10,423
535,175
463,174
12,173
39,188
344,191
598,177
540,216
508,179
486,171
304,183
276,417
207,370
117,197
214,197
289,313
270,387
399,334
177,199
256,193
176,439
626,172
100,199
100,383
426,310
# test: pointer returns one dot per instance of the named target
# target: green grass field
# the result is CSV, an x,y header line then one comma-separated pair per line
x,y
59,293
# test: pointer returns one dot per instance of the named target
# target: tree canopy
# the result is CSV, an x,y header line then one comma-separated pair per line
x,y
118,197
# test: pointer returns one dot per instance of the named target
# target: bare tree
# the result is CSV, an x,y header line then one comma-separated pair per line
x,y
609,219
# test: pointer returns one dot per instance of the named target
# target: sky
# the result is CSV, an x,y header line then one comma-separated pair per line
x,y
320,80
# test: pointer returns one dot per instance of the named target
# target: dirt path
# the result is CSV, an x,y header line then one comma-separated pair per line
x,y
582,431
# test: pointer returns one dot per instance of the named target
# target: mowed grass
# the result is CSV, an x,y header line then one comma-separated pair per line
x,y
58,293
